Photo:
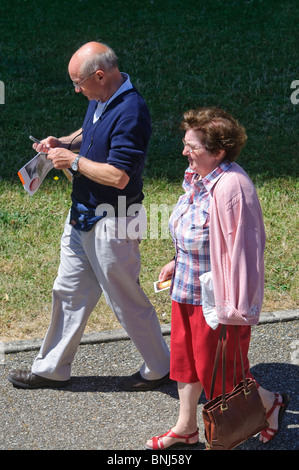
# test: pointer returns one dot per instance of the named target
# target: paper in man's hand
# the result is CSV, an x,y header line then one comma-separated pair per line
x,y
34,172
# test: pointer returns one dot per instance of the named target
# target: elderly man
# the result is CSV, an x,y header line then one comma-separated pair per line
x,y
98,252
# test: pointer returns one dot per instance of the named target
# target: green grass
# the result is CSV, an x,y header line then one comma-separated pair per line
x,y
238,55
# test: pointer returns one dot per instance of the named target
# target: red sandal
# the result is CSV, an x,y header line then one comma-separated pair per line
x,y
283,406
158,441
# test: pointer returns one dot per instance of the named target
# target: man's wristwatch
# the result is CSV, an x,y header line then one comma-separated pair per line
x,y
74,165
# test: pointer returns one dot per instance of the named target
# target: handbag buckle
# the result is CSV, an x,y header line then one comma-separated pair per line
x,y
246,391
224,406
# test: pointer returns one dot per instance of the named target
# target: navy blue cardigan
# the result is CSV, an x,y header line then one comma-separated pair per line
x,y
120,137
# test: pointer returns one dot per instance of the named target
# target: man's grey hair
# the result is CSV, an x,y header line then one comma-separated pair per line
x,y
104,61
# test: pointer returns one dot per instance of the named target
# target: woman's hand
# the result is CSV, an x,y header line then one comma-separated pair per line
x,y
167,271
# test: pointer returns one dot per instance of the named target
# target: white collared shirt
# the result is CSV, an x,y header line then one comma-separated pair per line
x,y
127,85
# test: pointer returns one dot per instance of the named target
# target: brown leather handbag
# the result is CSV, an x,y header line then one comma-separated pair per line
x,y
233,417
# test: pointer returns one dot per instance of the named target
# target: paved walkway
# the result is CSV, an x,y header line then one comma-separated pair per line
x,y
92,413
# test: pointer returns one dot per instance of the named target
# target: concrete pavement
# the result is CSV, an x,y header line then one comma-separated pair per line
x,y
93,413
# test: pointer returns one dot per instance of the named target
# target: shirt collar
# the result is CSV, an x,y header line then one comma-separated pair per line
x,y
208,181
127,85
211,179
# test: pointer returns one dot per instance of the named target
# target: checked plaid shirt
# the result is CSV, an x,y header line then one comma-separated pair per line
x,y
189,227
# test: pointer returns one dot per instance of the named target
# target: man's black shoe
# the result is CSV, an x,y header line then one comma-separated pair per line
x,y
24,378
136,383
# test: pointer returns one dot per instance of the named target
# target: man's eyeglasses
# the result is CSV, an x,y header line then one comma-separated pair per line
x,y
191,149
78,85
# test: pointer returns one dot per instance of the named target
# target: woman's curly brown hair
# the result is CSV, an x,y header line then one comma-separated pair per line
x,y
219,131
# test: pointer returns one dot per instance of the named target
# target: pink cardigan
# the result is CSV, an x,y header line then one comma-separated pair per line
x,y
237,243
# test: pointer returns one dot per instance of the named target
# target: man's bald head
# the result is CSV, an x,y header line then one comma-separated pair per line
x,y
93,56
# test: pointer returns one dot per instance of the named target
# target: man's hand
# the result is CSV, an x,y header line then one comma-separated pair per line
x,y
72,141
61,158
46,144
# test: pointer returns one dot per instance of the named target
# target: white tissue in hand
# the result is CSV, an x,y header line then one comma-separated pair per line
x,y
208,300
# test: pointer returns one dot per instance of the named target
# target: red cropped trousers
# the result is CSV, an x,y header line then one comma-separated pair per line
x,y
193,348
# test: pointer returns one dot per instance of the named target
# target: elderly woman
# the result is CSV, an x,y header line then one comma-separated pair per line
x,y
218,270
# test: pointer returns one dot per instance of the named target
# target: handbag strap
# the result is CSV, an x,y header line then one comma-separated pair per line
x,y
241,358
222,344
219,345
